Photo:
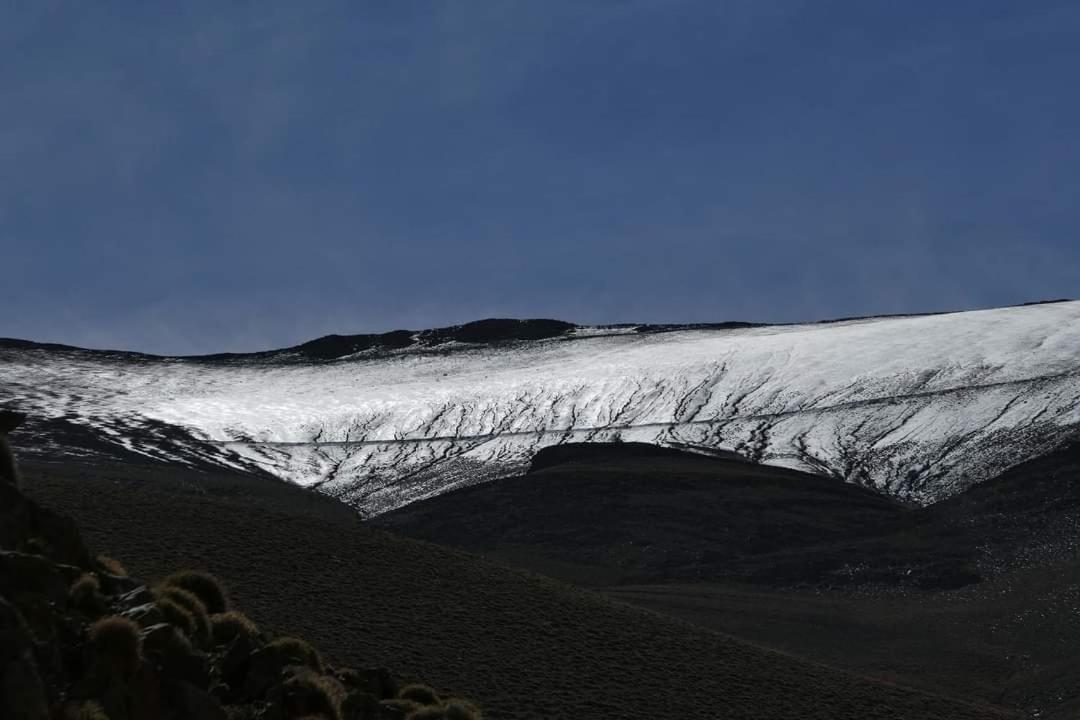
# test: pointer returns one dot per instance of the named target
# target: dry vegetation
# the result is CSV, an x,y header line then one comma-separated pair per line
x,y
523,645
80,642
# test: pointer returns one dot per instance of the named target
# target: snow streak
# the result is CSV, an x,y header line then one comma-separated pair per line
x,y
918,407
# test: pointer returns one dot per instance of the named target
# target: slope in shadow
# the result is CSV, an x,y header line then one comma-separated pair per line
x,y
976,595
521,645
604,514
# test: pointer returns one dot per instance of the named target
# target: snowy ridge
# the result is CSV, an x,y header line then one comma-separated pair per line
x,y
918,407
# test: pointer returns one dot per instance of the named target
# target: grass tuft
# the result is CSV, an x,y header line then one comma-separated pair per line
x,y
85,595
311,694
227,626
204,586
116,646
458,709
200,621
112,566
294,651
420,694
177,615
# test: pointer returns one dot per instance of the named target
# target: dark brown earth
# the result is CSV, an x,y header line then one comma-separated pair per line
x,y
630,513
521,645
978,595
80,639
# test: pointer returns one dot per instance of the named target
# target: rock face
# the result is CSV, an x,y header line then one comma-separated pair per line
x,y
80,642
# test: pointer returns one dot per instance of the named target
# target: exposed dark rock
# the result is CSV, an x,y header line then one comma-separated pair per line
x,y
145,615
140,595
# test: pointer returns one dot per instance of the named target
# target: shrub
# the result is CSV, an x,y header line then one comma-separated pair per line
x,y
310,694
294,651
112,566
172,643
194,606
458,709
420,694
227,626
116,646
85,595
177,615
359,704
204,586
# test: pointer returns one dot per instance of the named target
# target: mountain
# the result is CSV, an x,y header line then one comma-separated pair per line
x,y
917,407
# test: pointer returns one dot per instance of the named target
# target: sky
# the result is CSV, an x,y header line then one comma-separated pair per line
x,y
241,176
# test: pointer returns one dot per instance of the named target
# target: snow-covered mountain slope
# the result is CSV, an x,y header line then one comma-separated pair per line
x,y
918,407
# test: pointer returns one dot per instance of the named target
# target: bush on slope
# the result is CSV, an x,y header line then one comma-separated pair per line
x,y
80,643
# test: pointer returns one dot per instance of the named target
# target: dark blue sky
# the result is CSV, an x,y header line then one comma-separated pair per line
x,y
231,179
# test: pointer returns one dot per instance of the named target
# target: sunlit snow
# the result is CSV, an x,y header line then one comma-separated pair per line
x,y
919,407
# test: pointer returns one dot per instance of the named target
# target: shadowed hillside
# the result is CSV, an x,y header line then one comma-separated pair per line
x,y
80,639
976,595
629,513
523,646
